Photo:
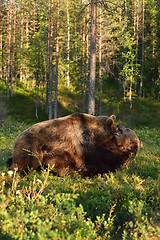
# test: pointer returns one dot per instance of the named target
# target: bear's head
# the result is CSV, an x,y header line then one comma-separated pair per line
x,y
127,139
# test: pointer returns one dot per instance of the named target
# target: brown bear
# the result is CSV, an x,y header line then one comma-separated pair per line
x,y
79,141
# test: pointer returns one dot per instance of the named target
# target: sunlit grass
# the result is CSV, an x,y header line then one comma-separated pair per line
x,y
123,205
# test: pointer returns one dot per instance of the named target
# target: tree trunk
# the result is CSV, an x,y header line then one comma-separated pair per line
x,y
130,87
75,40
83,65
1,39
21,46
27,24
50,62
68,45
57,58
9,22
92,75
125,81
141,80
48,57
137,38
35,18
27,41
37,96
134,16
100,60
13,52
87,43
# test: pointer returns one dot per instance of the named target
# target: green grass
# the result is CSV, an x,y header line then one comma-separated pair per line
x,y
124,205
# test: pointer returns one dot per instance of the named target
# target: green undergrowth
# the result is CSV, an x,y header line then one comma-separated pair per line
x,y
123,205
21,107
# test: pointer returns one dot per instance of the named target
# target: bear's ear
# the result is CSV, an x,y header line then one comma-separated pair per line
x,y
109,121
113,117
106,121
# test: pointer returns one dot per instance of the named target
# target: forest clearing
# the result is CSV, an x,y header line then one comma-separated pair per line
x,y
58,57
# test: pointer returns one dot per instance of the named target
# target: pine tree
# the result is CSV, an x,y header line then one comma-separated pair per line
x,y
142,68
100,60
1,38
92,74
9,22
13,51
50,60
57,62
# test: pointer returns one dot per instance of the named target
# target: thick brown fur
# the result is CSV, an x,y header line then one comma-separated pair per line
x,y
79,141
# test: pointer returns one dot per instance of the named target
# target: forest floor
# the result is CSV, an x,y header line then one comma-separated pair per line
x,y
123,205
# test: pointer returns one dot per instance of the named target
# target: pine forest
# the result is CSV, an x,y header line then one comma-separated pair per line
x,y
47,45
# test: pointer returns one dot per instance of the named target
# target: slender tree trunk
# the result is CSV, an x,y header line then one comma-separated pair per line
x,y
57,59
142,68
42,87
134,13
137,26
35,18
48,55
1,39
92,76
21,46
137,38
68,45
75,33
27,25
87,44
50,63
22,27
153,33
45,80
27,41
100,60
9,22
126,26
83,65
37,95
130,87
13,51
134,28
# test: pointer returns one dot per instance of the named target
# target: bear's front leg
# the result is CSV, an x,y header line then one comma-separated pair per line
x,y
61,161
